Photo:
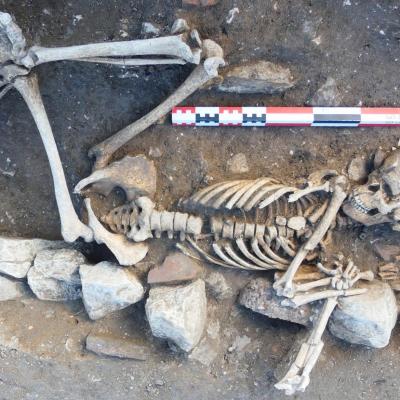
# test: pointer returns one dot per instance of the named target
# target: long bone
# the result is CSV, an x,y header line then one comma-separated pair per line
x,y
284,286
71,227
298,376
202,74
170,46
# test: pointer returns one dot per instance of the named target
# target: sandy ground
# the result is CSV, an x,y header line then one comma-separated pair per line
x,y
43,356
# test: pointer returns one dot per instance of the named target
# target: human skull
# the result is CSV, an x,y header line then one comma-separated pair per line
x,y
378,201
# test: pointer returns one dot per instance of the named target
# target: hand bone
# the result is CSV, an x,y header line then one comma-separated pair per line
x,y
71,227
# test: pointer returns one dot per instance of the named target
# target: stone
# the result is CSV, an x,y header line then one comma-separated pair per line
x,y
208,348
155,152
358,169
216,284
379,158
106,288
238,164
180,26
149,29
327,95
366,319
388,252
178,313
17,255
204,3
115,347
176,268
11,289
259,296
54,275
261,77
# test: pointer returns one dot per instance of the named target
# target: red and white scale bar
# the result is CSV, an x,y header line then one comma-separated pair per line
x,y
286,116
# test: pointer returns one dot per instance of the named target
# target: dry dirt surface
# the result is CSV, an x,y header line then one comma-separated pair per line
x,y
354,41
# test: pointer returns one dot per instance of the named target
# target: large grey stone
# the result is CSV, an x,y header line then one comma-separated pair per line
x,y
257,77
178,313
366,319
106,288
54,275
115,347
17,255
10,289
259,296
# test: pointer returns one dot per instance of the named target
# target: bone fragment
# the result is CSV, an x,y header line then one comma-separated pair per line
x,y
284,285
169,46
202,74
127,253
71,227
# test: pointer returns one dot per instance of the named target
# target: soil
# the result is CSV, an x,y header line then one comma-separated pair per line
x,y
355,42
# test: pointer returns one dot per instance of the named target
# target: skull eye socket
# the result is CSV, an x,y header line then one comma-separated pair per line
x,y
374,187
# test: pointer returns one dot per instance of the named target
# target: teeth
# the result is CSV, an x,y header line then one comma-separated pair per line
x,y
359,205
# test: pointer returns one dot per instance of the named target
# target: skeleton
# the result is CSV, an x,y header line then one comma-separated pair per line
x,y
263,224
16,62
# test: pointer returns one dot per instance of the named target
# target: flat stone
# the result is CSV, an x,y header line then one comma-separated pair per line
x,y
106,288
327,95
358,169
259,296
176,268
54,275
17,255
178,313
388,252
115,347
210,345
260,77
180,26
366,319
216,284
238,164
10,289
203,3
